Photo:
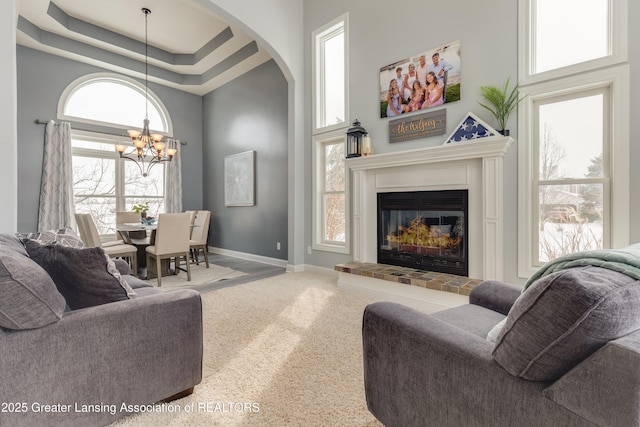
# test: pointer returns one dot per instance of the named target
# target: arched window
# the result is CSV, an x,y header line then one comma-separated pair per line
x,y
114,101
104,183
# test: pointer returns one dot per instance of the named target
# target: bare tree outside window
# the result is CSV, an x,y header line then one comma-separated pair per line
x,y
570,218
96,192
551,155
139,189
334,193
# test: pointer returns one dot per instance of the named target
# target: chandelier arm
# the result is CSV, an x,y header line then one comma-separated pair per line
x,y
148,146
139,162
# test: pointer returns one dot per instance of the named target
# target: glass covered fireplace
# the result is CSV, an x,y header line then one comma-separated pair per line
x,y
424,230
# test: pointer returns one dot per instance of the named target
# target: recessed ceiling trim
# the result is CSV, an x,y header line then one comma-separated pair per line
x,y
242,54
213,44
104,35
101,55
194,49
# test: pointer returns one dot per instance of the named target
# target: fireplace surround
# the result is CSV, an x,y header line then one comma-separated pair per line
x,y
475,166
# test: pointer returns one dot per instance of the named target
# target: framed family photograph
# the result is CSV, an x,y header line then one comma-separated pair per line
x,y
426,80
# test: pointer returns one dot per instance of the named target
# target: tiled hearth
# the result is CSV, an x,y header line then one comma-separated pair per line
x,y
411,276
423,290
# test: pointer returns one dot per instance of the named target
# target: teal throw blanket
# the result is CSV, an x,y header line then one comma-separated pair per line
x,y
625,260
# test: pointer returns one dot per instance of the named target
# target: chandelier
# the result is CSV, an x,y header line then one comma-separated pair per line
x,y
149,149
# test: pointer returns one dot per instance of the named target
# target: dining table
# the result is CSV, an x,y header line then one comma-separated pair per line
x,y
129,231
140,235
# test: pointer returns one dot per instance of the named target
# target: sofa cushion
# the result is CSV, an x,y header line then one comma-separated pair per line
x,y
9,242
64,236
136,283
563,318
28,297
84,276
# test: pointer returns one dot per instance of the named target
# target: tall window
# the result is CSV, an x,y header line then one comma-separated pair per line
x,y
330,106
572,172
330,75
104,183
330,195
573,129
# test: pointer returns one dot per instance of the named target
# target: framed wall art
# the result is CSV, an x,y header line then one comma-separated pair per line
x,y
425,80
239,178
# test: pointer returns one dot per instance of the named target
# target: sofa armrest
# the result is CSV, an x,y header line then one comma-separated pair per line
x,y
419,371
605,387
495,295
137,351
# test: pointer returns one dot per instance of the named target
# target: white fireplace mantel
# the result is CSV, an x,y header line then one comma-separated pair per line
x,y
476,166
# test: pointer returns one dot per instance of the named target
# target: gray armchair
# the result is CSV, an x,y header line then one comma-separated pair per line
x,y
568,355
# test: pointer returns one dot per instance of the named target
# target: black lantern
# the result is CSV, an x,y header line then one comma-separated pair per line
x,y
355,136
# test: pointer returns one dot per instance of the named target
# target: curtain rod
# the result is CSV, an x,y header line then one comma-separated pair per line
x,y
44,122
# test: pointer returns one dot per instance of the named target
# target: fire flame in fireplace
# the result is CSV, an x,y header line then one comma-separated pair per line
x,y
420,234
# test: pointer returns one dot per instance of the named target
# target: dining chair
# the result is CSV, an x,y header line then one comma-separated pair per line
x,y
192,215
171,241
124,217
199,235
115,248
192,218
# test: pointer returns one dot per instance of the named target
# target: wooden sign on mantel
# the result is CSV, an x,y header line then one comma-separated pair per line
x,y
418,126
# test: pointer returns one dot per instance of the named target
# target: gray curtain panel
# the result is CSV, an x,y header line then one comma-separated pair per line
x,y
56,188
173,183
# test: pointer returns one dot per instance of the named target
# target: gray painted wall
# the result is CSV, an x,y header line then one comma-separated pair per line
x,y
41,80
488,34
249,113
382,33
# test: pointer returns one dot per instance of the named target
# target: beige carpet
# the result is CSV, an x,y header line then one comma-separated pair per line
x,y
200,274
282,351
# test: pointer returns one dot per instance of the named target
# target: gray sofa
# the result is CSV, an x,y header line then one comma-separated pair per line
x,y
88,362
568,354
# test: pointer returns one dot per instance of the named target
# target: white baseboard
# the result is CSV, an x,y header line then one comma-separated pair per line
x,y
291,268
250,257
299,268
295,268
423,299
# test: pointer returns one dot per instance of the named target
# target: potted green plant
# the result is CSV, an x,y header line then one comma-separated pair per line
x,y
500,102
141,208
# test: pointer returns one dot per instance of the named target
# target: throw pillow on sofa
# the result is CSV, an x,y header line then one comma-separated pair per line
x,y
84,276
64,236
563,318
28,297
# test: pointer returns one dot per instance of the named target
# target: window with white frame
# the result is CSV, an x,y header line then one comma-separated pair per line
x,y
330,52
561,38
330,122
573,131
330,193
103,183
